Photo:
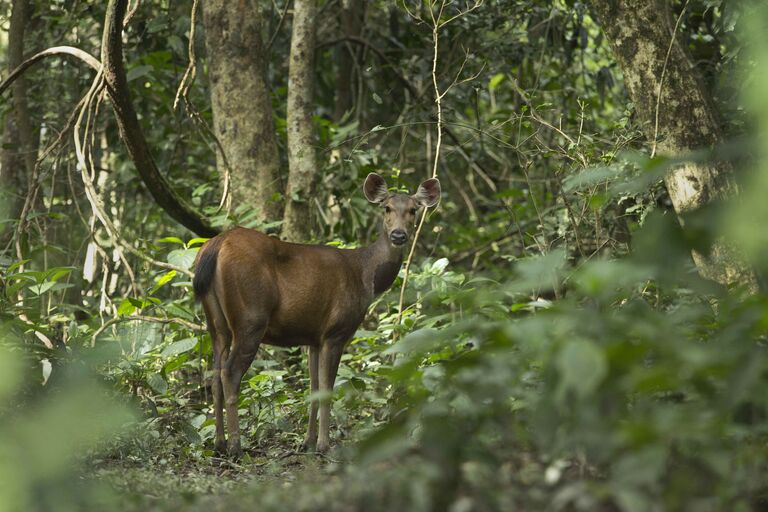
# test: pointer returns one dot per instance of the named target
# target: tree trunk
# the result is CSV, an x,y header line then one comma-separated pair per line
x,y
301,134
640,33
350,23
242,107
19,152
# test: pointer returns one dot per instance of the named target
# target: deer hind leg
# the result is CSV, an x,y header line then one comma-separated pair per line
x,y
244,346
220,338
311,440
330,356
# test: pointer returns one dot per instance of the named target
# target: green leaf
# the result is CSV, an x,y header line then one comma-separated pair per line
x,y
582,367
495,80
197,241
39,289
138,72
418,341
179,347
183,258
171,240
140,303
176,43
157,383
174,309
59,272
165,278
16,265
590,177
438,266
125,308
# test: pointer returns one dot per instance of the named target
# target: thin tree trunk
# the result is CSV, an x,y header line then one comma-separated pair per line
x,y
681,119
19,152
301,134
242,107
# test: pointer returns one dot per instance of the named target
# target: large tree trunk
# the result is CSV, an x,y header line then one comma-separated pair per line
x,y
19,152
640,33
301,134
242,108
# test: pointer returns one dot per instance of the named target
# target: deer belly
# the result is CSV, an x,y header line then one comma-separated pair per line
x,y
308,326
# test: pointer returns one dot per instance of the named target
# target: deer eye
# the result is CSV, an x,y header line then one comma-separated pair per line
x,y
387,209
413,211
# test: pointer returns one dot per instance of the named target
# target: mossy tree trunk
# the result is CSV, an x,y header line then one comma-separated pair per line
x,y
681,119
301,133
241,103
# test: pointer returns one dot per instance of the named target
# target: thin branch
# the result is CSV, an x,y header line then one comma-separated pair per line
x,y
468,10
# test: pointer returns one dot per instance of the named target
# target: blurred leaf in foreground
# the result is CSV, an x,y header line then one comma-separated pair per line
x,y
47,433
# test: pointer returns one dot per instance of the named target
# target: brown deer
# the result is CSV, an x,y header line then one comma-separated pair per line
x,y
257,289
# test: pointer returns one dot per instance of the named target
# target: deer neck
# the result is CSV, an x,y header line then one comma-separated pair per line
x,y
381,265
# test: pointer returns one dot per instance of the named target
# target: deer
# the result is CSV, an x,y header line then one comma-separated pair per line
x,y
257,289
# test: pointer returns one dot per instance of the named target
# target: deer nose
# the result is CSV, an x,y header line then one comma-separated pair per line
x,y
398,237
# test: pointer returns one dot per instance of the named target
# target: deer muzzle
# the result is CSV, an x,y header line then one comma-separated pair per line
x,y
398,237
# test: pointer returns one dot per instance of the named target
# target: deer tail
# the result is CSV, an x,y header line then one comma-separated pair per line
x,y
205,266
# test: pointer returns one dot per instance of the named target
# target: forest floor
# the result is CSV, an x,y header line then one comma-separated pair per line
x,y
178,483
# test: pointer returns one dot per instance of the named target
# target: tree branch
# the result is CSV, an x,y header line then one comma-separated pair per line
x,y
56,50
131,132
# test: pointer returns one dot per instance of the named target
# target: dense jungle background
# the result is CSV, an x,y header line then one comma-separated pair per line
x,y
583,322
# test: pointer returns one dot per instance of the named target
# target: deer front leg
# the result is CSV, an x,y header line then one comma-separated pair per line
x,y
311,440
330,356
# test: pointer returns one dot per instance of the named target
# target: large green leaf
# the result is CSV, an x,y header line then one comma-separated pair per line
x,y
183,258
179,347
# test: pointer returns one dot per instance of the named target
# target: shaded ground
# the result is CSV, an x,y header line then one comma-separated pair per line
x,y
178,484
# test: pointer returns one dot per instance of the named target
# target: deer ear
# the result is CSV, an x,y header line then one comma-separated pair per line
x,y
375,188
428,193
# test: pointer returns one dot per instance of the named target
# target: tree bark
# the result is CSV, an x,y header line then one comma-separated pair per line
x,y
680,119
301,134
130,130
19,152
242,107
